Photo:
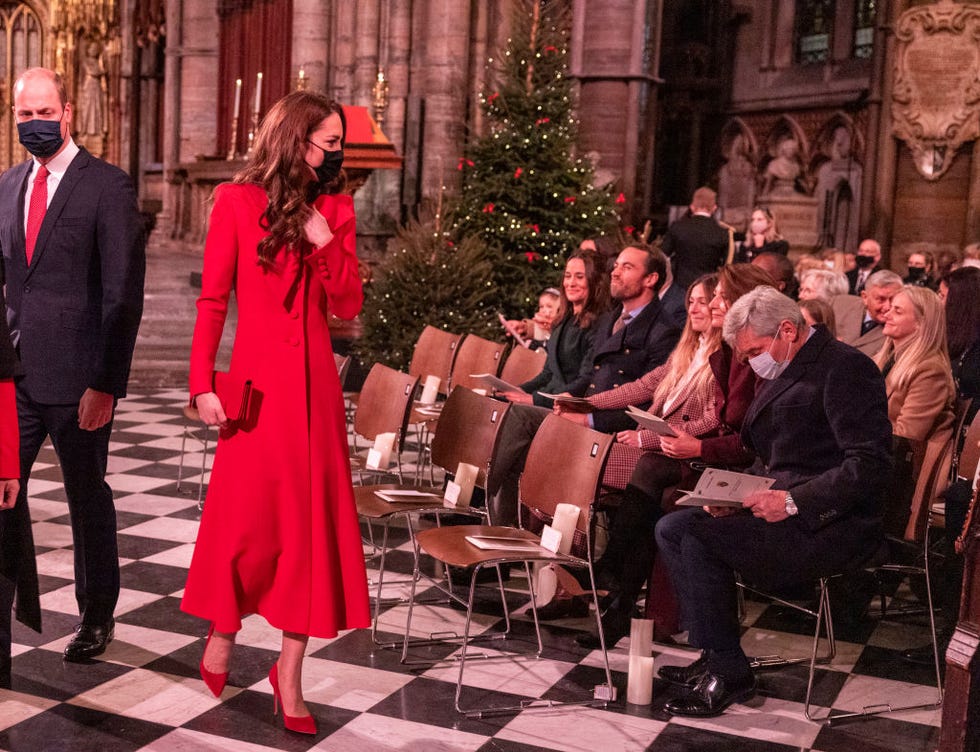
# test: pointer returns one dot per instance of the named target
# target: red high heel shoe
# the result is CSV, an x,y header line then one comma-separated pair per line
x,y
301,724
215,682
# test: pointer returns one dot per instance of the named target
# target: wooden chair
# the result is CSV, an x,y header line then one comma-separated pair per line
x,y
564,464
386,399
475,355
468,431
434,354
522,365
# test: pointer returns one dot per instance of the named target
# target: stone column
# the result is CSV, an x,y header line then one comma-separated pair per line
x,y
877,206
311,33
191,93
447,40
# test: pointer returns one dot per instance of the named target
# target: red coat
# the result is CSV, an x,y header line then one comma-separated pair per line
x,y
279,535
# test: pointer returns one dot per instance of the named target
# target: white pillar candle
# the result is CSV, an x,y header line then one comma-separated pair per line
x,y
639,682
380,456
238,98
431,390
545,583
641,637
258,93
459,491
565,521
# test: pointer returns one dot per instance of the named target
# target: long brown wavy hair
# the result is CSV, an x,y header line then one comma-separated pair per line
x,y
278,164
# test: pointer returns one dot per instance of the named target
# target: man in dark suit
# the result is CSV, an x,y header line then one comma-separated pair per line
x,y
867,259
819,426
697,244
73,253
632,339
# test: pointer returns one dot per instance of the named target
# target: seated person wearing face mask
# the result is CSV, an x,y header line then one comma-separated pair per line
x,y
867,259
819,427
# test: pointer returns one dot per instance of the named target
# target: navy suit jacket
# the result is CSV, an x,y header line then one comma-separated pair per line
x,y
74,313
821,430
620,358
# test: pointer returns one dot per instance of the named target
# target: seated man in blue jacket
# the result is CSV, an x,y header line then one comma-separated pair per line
x,y
819,426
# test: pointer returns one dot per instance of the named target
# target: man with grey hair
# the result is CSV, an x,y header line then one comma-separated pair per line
x,y
819,427
860,319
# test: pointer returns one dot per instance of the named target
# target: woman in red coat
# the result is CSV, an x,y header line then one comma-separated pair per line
x,y
279,535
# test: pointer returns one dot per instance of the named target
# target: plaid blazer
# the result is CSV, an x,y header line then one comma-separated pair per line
x,y
692,412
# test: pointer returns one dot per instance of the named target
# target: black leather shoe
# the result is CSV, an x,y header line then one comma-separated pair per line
x,y
561,608
615,626
711,696
685,676
89,641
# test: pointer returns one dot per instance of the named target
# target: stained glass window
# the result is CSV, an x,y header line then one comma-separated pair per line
x,y
864,27
814,21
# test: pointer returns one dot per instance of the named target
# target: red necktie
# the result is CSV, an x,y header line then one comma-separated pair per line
x,y
35,212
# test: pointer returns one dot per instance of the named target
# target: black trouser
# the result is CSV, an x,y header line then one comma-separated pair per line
x,y
516,434
83,456
629,554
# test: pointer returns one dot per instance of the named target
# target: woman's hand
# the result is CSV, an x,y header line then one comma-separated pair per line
x,y
317,230
517,397
543,321
629,438
681,447
514,326
210,409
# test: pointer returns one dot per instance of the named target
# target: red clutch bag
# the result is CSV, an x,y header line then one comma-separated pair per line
x,y
235,394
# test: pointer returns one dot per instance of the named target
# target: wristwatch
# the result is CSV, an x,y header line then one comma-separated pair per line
x,y
791,508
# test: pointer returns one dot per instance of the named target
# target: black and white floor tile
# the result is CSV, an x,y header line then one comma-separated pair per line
x,y
145,692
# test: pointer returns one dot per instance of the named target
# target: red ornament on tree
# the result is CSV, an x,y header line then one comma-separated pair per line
x,y
488,209
518,172
621,198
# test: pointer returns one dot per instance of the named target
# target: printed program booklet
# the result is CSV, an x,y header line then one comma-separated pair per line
x,y
723,488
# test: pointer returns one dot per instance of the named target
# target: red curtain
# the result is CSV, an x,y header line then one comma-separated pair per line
x,y
255,36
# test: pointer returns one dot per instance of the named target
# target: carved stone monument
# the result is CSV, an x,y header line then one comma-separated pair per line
x,y
737,181
936,98
838,193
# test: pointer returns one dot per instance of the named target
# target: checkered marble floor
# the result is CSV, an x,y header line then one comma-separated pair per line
x,y
144,693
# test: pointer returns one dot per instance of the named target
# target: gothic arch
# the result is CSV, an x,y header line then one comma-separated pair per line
x,y
22,46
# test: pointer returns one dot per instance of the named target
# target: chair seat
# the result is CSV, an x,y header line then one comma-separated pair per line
x,y
373,507
449,545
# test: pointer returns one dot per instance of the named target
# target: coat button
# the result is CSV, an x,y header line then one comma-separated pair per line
x,y
591,386
293,341
294,314
627,351
620,373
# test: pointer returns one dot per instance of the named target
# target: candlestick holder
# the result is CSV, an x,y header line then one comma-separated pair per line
x,y
233,141
252,132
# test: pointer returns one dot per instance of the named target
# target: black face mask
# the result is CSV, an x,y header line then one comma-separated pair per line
x,y
863,261
42,138
916,273
329,168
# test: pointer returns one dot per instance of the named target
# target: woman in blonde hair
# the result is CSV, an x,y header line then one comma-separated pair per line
x,y
918,379
279,535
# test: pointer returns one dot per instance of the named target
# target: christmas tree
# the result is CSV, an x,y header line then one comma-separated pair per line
x,y
427,279
525,193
